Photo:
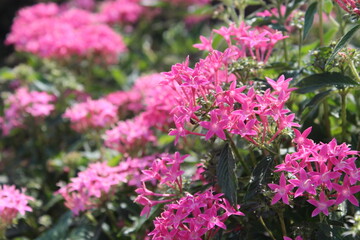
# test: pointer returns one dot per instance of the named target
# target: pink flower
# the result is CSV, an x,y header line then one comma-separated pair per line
x,y
45,30
322,205
346,192
91,114
12,203
281,191
91,187
215,126
121,11
24,104
192,216
206,44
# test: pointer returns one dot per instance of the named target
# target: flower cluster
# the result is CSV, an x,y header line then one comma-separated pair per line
x,y
274,12
91,114
257,43
92,187
133,168
13,202
155,100
129,136
47,31
255,116
192,216
188,2
166,171
121,11
24,103
325,173
350,6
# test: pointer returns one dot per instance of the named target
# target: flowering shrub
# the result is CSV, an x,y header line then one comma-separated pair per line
x,y
13,203
91,187
264,116
47,31
22,104
91,114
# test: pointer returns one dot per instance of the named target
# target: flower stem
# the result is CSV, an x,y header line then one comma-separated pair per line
x,y
266,228
321,29
343,94
354,71
237,154
282,222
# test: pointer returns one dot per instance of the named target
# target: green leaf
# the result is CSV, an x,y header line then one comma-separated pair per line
x,y
328,79
342,42
225,172
82,232
60,230
330,232
258,177
318,98
309,18
292,6
328,6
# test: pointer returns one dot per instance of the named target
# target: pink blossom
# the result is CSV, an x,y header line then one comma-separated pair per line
x,y
91,114
281,191
91,187
24,104
192,216
12,203
322,205
49,32
121,11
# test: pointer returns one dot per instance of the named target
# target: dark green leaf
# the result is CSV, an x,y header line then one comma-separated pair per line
x,y
342,42
309,18
60,230
318,98
82,232
328,79
226,174
330,232
292,6
258,177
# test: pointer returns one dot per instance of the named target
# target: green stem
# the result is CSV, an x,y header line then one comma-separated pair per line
x,y
241,6
326,119
282,222
237,154
282,22
354,71
321,29
341,22
266,228
300,45
343,94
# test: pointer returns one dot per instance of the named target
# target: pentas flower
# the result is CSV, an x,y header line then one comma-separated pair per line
x,y
129,136
24,104
248,113
50,32
296,238
13,202
121,11
281,190
133,167
274,13
92,187
91,114
323,171
257,43
166,172
193,216
350,6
